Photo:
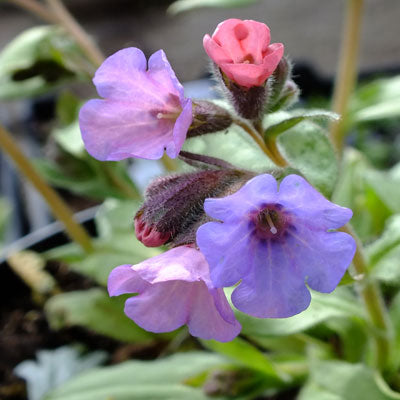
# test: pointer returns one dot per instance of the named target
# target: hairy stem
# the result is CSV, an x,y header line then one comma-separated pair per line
x,y
374,305
347,70
273,154
60,210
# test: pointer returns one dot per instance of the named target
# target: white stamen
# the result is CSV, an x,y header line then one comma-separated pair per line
x,y
160,115
273,230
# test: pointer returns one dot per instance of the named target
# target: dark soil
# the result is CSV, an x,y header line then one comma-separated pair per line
x,y
24,329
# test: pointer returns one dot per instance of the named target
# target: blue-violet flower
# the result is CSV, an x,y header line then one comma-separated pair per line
x,y
275,242
143,113
175,289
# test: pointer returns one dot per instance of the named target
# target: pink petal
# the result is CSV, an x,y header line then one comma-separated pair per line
x,y
163,307
206,320
215,51
114,130
182,263
123,280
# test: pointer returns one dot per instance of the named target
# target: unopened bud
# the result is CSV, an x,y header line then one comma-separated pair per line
x,y
289,95
248,102
281,74
173,207
208,118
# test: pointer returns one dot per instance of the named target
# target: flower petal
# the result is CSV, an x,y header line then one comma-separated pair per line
x,y
182,263
275,287
323,257
310,206
215,51
211,316
260,190
123,280
162,307
180,130
225,246
113,131
161,72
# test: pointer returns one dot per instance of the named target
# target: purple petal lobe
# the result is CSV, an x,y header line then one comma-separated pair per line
x,y
225,246
299,197
275,288
259,190
144,112
274,243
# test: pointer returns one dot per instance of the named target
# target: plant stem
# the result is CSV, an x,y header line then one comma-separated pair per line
x,y
68,22
272,153
36,8
374,305
60,210
347,70
120,183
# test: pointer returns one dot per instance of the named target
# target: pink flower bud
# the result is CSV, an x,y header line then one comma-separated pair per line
x,y
242,50
148,234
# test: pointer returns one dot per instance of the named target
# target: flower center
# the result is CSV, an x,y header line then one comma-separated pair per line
x,y
271,222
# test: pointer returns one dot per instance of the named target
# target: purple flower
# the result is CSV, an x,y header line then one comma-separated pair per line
x,y
144,111
175,289
275,242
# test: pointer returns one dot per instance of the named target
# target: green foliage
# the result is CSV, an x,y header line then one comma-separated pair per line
x,y
384,253
280,122
162,379
54,367
116,244
339,304
75,170
371,194
38,60
375,101
245,354
186,5
234,146
94,310
337,380
307,148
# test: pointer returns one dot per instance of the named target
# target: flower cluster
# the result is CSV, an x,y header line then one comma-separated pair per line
x,y
274,236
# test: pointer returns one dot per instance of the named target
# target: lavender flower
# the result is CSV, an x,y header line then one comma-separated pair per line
x,y
275,242
143,111
175,289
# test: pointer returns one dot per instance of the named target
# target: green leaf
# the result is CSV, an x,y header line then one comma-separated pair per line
x,y
384,253
162,379
355,191
115,246
294,118
38,60
323,307
337,380
94,310
308,149
186,5
87,176
233,146
246,354
54,367
375,101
